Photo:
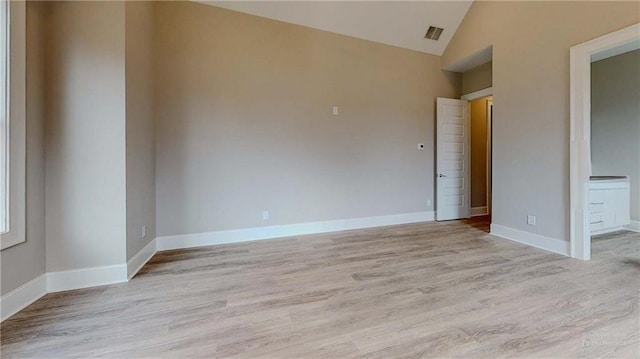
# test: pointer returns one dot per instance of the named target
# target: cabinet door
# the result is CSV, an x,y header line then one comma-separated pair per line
x,y
608,215
618,203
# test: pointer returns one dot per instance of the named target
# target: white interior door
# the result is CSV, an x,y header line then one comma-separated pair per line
x,y
452,159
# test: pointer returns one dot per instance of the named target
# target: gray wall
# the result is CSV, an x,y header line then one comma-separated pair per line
x,y
478,78
531,98
26,261
245,124
141,175
85,162
615,121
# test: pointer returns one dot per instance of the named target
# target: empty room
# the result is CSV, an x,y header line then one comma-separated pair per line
x,y
319,179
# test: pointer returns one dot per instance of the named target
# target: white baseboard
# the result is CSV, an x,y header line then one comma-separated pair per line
x,y
608,230
50,282
86,277
633,226
258,233
479,211
535,240
140,259
16,300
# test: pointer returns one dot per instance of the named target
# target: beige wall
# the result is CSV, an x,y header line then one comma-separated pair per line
x,y
26,261
479,152
615,121
141,176
85,144
477,78
531,98
245,124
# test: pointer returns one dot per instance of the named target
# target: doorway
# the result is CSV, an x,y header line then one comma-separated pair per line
x,y
581,57
481,111
464,157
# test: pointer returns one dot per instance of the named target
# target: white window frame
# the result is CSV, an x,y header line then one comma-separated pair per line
x,y
14,176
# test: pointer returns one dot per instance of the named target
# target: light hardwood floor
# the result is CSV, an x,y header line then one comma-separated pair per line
x,y
423,290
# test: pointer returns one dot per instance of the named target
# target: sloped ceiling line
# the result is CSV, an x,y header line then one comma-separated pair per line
x,y
396,23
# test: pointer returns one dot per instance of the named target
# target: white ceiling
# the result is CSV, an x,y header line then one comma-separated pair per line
x,y
397,23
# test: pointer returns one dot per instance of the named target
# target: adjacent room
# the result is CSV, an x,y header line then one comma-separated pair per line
x,y
315,179
614,189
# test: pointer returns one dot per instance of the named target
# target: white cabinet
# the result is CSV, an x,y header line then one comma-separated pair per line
x,y
609,205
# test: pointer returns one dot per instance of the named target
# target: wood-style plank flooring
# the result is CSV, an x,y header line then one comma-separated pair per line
x,y
433,290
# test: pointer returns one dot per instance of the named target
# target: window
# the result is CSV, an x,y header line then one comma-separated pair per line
x,y
12,122
4,116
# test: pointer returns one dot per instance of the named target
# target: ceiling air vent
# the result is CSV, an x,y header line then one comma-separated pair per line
x,y
433,33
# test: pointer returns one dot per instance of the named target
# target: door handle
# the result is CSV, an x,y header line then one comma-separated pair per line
x,y
441,175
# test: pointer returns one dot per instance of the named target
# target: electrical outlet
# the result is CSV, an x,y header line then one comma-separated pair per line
x,y
335,110
428,203
531,220
143,232
265,215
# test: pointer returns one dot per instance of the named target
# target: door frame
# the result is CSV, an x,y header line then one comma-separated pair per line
x,y
489,153
475,96
581,57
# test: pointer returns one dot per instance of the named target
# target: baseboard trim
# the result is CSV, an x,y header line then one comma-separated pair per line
x,y
51,282
633,226
86,277
535,240
19,298
140,259
260,233
608,230
479,211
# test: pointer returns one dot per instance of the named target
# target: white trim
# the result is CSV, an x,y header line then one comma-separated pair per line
x,y
478,94
259,233
581,57
140,259
489,159
608,230
86,277
633,226
479,211
52,282
618,50
19,298
16,207
4,116
550,244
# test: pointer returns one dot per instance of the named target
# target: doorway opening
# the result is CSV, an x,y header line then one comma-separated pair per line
x,y
481,111
464,158
582,211
481,121
614,187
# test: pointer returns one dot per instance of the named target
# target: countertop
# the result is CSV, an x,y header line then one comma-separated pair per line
x,y
609,178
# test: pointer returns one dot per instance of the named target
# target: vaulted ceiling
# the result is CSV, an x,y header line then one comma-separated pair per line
x,y
397,23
